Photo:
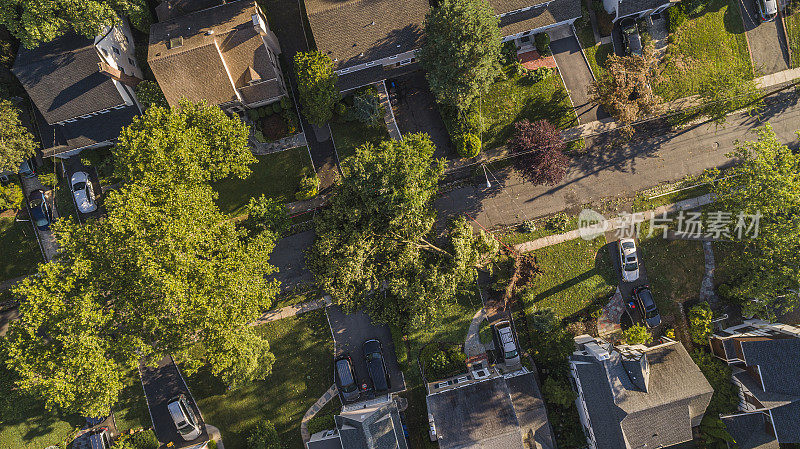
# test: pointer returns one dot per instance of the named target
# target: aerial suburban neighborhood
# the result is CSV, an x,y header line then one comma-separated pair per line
x,y
377,224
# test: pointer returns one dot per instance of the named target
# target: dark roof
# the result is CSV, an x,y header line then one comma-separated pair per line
x,y
63,80
604,415
787,422
540,16
778,363
628,7
170,9
749,431
212,39
57,139
329,443
476,415
506,6
371,75
353,32
371,428
530,409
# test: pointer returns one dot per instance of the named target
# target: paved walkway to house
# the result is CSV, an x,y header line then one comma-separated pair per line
x,y
287,143
707,285
293,310
532,60
472,343
216,435
613,223
608,322
388,114
324,399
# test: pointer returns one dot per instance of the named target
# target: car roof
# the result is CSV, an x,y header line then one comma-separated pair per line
x,y
377,374
646,296
175,411
343,371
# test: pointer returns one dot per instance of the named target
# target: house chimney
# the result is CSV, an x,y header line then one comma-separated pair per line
x,y
117,74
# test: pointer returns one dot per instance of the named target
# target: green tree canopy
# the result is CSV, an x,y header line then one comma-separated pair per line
x,y
149,94
164,273
637,335
550,342
461,51
192,143
37,21
16,142
727,91
376,248
766,181
316,83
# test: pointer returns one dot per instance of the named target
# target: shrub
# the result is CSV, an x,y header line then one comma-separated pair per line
x,y
265,111
366,107
320,423
528,226
259,136
286,103
253,114
675,18
265,213
139,440
149,94
309,186
468,145
542,41
276,108
558,222
263,436
341,110
558,392
508,53
637,335
445,363
670,333
10,196
48,180
292,122
540,74
212,444
700,323
519,69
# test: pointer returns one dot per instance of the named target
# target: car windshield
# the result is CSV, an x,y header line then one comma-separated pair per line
x,y
35,203
631,266
511,354
652,313
79,186
628,245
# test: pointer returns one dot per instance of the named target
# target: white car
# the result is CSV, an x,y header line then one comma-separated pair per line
x,y
83,192
628,260
505,334
184,419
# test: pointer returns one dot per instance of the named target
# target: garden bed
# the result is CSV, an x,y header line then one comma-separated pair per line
x,y
274,121
352,129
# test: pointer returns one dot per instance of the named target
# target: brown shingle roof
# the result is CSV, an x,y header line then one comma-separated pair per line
x,y
541,16
211,40
356,31
504,6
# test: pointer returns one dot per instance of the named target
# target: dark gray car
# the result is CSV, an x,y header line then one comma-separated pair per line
x,y
648,309
373,355
630,36
346,378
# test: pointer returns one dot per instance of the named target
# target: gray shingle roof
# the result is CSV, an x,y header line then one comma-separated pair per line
x,y
376,428
353,32
370,75
505,6
63,80
787,422
628,7
778,363
57,139
530,410
211,40
540,16
749,431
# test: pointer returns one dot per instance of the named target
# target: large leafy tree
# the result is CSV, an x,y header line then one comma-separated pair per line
x,y
625,91
550,342
461,51
37,21
316,82
766,181
539,151
16,142
164,273
192,143
725,92
376,248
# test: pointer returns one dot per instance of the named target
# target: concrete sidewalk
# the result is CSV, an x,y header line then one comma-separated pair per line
x,y
293,310
324,399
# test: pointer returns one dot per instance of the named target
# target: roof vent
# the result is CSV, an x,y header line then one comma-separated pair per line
x,y
176,42
361,55
209,32
372,23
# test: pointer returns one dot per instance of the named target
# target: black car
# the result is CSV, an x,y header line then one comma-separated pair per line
x,y
346,378
373,354
41,214
630,36
647,305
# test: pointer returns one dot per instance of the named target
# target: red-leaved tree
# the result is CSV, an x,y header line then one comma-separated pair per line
x,y
540,150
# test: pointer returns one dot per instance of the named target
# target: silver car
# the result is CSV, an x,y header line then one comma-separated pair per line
x,y
505,334
184,418
83,192
767,9
628,260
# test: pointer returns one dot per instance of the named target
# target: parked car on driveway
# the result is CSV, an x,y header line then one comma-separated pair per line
x,y
630,36
647,305
346,378
505,336
83,192
184,418
628,259
373,354
26,169
767,9
41,214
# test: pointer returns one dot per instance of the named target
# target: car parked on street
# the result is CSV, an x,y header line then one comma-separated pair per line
x,y
83,192
376,366
630,36
647,305
508,344
346,378
184,418
41,214
767,9
628,259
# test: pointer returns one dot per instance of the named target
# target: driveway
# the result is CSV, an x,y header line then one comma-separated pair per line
x,y
161,384
350,332
289,258
73,165
767,45
415,111
577,77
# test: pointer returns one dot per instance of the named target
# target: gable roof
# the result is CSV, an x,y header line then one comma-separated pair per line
x,y
353,32
530,410
539,16
218,53
749,431
778,361
371,427
63,79
506,6
57,139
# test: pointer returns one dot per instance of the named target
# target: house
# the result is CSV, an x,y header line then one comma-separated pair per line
x,y
373,424
170,9
82,88
225,55
520,19
486,409
621,9
368,40
637,397
765,359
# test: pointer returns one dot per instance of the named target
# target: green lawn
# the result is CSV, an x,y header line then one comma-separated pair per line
x,y
275,175
350,135
21,253
597,55
513,99
303,348
130,411
793,33
575,274
675,269
709,43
